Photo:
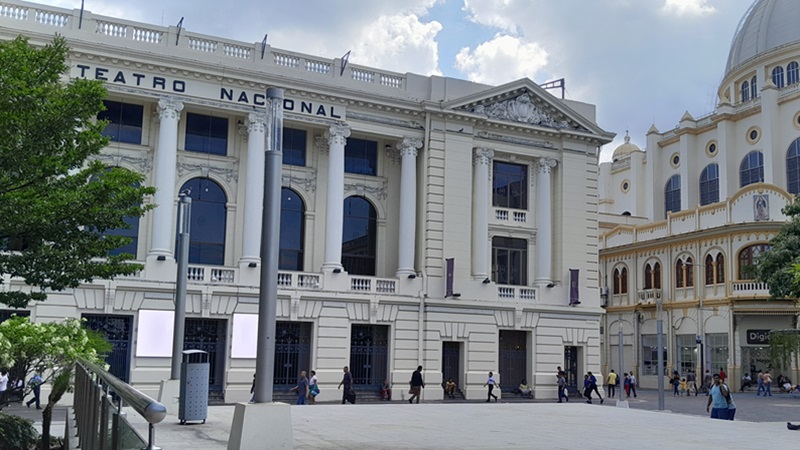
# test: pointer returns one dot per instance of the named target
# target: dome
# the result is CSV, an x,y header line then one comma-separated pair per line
x,y
767,25
625,149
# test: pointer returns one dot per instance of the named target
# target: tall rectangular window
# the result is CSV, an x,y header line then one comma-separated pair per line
x,y
361,157
294,147
510,185
206,134
124,121
510,261
650,355
686,349
717,348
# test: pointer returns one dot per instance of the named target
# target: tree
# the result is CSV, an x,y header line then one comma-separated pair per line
x,y
776,266
50,349
55,202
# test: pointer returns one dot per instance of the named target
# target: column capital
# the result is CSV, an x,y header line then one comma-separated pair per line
x,y
545,165
409,146
483,156
337,134
257,122
169,108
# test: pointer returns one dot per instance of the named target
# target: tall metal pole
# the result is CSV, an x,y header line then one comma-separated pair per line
x,y
621,356
660,343
184,221
270,243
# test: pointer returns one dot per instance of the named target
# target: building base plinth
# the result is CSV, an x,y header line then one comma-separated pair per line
x,y
257,423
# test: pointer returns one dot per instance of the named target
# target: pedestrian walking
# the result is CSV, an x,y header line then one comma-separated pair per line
x,y
313,388
675,381
633,384
3,386
36,386
587,388
302,388
491,383
691,382
562,387
593,386
347,382
767,383
722,374
760,382
417,384
719,399
612,383
707,381
626,384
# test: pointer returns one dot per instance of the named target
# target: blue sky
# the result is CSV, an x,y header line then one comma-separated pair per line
x,y
641,62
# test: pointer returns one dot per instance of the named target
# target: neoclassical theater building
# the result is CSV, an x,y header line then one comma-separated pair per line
x,y
682,220
424,220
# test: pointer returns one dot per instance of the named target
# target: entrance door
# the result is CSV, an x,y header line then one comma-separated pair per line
x,y
208,335
754,360
451,362
369,349
117,331
292,353
571,368
513,358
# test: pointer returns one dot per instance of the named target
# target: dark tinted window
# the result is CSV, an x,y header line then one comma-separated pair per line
x,y
672,194
752,169
361,157
207,232
292,230
510,261
294,147
510,185
793,167
709,184
124,121
359,236
206,134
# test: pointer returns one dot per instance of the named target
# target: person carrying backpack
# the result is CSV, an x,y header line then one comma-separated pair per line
x,y
720,399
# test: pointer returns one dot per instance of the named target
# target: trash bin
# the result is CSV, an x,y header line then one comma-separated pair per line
x,y
193,404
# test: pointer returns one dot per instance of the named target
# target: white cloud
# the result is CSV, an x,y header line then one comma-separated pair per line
x,y
688,7
492,13
500,60
401,43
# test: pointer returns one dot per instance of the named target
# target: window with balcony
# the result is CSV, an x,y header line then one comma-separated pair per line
x,y
124,121
620,280
206,134
710,270
748,256
509,261
361,157
292,230
753,87
715,269
793,167
720,269
359,236
209,216
709,184
777,77
686,352
745,91
510,185
684,273
652,276
751,170
672,194
792,73
650,354
294,147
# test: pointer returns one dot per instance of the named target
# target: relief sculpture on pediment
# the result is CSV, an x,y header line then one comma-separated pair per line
x,y
520,109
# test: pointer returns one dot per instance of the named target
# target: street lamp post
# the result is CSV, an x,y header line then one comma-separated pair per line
x,y
184,223
660,344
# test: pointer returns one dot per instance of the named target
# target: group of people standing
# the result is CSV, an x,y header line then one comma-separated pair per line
x,y
16,387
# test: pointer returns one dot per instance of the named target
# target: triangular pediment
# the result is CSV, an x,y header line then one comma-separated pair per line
x,y
524,102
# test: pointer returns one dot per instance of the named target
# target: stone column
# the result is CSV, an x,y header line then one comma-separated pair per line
x,y
544,221
408,206
334,213
254,187
169,112
481,161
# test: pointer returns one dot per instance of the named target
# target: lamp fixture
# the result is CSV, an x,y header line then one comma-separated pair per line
x,y
161,258
252,265
486,280
456,295
412,276
337,270
551,285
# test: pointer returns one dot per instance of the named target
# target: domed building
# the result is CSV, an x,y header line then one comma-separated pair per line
x,y
682,220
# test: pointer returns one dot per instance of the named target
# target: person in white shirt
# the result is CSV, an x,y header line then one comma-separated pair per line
x,y
3,386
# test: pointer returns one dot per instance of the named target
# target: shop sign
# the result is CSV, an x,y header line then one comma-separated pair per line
x,y
758,337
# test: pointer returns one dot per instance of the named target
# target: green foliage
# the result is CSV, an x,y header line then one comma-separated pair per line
x,y
777,266
55,203
16,433
783,344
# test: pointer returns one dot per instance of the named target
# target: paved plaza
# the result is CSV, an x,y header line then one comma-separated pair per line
x,y
509,424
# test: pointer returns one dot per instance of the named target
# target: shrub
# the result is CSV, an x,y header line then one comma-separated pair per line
x,y
16,433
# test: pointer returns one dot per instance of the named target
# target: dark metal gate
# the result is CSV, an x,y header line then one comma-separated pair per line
x,y
451,362
208,335
369,348
6,314
513,358
118,332
571,368
292,353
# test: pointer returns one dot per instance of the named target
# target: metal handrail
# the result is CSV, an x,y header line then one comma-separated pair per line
x,y
152,411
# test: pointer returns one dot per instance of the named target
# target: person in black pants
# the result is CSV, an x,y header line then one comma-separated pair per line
x,y
347,381
491,383
417,384
593,387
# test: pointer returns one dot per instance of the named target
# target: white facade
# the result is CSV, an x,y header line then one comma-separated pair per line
x,y
736,169
436,143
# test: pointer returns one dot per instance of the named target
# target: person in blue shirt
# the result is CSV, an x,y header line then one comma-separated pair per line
x,y
593,386
36,386
718,400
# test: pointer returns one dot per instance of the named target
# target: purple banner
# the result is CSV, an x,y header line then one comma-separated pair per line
x,y
574,287
450,265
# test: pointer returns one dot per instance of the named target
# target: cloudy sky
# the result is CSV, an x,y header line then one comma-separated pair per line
x,y
641,62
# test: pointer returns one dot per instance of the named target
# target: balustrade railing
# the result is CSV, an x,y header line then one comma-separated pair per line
x,y
519,293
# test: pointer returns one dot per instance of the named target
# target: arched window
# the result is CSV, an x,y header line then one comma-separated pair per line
x,y
652,276
793,167
616,282
131,231
792,73
720,268
207,233
656,276
709,270
648,277
751,170
749,256
359,236
623,280
679,274
672,194
777,77
292,230
745,91
709,184
753,88
689,281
